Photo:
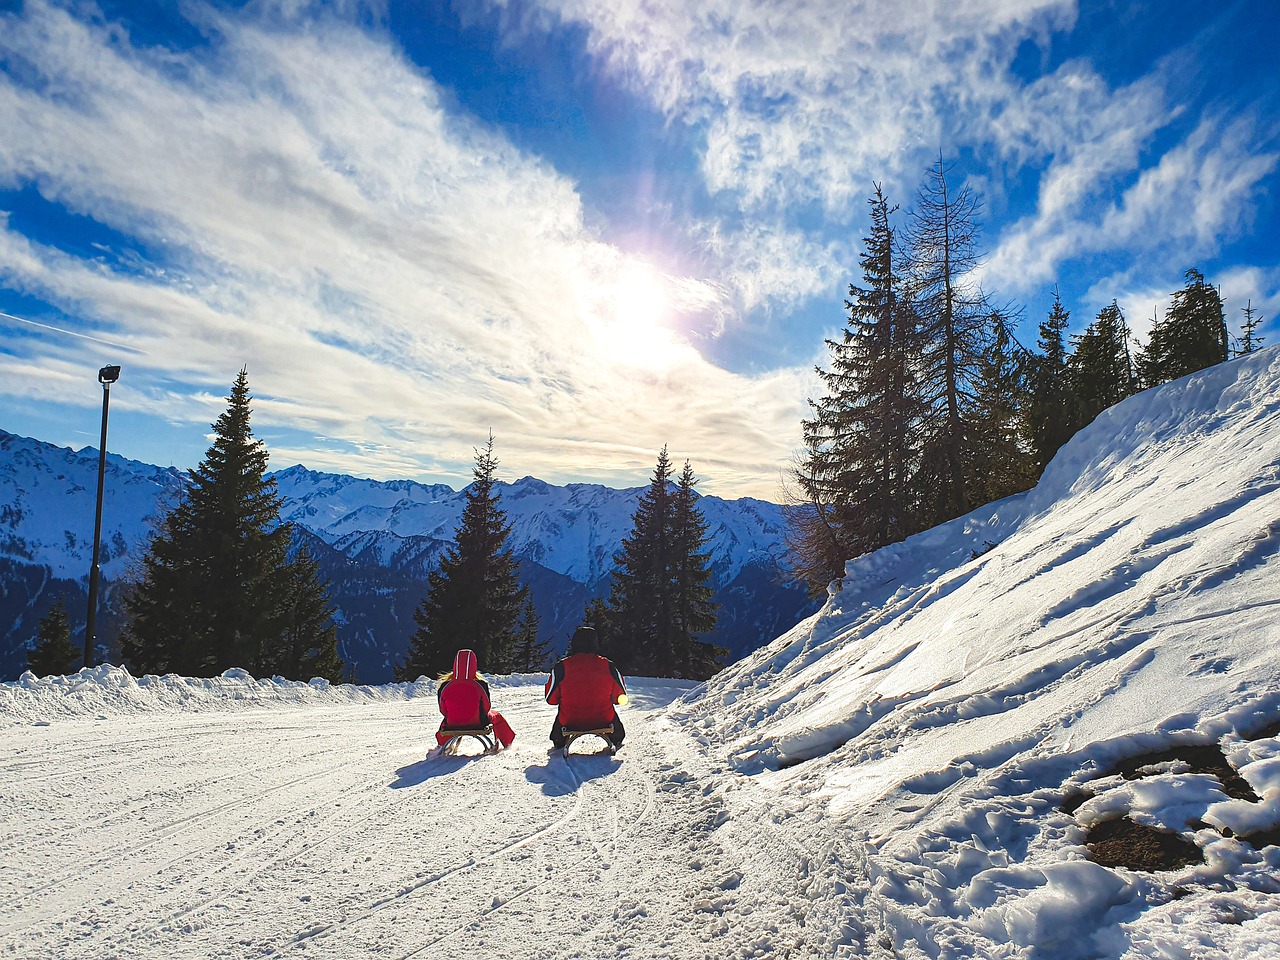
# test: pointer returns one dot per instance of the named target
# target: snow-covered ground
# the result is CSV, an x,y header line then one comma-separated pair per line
x,y
914,772
232,818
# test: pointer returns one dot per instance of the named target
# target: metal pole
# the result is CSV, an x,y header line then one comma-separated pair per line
x,y
90,625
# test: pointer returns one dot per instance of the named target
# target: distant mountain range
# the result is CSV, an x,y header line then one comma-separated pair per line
x,y
376,541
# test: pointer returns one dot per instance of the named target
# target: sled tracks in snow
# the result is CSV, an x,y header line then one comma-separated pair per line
x,y
600,830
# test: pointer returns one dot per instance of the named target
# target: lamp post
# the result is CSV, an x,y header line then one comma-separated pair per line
x,y
106,376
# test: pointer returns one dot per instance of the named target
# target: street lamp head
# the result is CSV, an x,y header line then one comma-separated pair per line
x,y
108,375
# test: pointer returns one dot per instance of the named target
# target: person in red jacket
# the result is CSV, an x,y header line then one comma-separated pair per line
x,y
463,696
585,686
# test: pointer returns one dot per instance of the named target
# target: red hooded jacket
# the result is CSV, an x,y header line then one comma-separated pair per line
x,y
585,686
464,699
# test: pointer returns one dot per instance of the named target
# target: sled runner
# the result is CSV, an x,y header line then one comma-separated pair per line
x,y
604,733
484,734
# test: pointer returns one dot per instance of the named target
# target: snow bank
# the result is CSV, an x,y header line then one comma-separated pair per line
x,y
958,687
106,691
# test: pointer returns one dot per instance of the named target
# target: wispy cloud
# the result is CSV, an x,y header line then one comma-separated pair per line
x,y
399,279
799,105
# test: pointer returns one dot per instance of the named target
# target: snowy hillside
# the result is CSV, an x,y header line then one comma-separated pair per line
x,y
957,688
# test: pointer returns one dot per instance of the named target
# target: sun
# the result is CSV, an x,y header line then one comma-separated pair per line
x,y
633,317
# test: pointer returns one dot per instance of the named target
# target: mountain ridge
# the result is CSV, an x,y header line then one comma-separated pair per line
x,y
383,538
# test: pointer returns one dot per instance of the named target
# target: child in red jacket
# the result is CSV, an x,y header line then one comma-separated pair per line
x,y
585,686
463,696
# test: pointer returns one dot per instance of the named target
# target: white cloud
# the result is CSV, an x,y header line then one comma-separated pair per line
x,y
810,102
397,279
1199,193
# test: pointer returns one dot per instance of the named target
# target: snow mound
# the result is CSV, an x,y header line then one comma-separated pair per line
x,y
957,687
107,691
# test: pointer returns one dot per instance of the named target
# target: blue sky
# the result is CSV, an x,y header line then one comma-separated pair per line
x,y
591,228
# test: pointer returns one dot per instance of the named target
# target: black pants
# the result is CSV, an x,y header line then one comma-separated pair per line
x,y
619,731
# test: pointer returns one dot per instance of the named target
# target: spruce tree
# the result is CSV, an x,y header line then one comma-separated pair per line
x,y
1249,339
695,613
1153,360
999,459
217,589
855,476
531,654
310,637
474,599
1195,327
54,653
1054,413
660,599
1101,366
595,614
640,597
955,329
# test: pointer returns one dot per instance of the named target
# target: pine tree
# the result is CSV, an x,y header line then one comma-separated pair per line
x,y
1196,329
660,599
310,637
1153,360
54,654
531,654
854,480
597,616
999,459
474,600
1102,367
217,589
955,333
695,613
640,597
1249,339
1054,415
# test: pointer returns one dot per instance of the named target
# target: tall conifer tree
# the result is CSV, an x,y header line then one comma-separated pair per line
x,y
531,654
475,599
695,613
999,456
1249,339
1054,414
855,476
955,332
1102,367
640,597
1193,335
217,589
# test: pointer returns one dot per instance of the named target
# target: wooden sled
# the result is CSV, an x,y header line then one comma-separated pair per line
x,y
604,733
483,734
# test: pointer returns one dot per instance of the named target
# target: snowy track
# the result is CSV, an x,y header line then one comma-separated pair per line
x,y
323,831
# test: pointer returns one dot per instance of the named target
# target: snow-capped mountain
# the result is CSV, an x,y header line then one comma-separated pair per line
x,y
375,541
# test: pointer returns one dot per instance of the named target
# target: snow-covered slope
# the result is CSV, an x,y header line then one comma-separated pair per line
x,y
955,688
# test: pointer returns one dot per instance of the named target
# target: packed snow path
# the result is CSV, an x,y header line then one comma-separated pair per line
x,y
323,831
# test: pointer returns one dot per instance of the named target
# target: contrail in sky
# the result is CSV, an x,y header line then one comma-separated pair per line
x,y
72,333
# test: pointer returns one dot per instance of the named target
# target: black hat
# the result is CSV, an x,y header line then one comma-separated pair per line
x,y
585,640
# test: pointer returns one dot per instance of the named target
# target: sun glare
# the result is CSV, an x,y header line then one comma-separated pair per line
x,y
632,324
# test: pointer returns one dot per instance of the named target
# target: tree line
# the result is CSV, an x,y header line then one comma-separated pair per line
x,y
932,408
222,583
658,606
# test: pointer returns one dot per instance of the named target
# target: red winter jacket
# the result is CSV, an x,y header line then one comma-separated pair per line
x,y
585,686
464,699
